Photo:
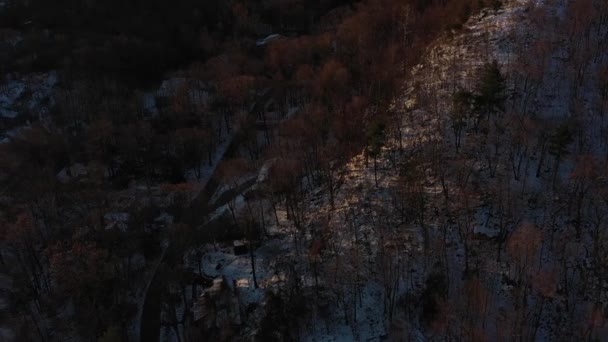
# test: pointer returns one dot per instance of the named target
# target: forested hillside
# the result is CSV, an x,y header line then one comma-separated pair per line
x,y
292,170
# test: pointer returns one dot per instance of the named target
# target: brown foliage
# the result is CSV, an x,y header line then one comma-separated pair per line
x,y
332,79
80,268
237,89
545,283
230,170
524,244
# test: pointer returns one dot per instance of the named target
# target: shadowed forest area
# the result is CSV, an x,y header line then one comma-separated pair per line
x,y
293,170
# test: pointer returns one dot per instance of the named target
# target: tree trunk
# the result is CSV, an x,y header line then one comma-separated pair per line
x,y
376,170
252,257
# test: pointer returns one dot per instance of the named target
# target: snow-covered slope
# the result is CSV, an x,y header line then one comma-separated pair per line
x,y
370,272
